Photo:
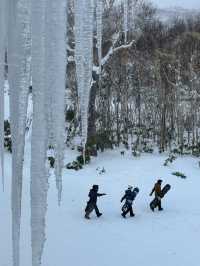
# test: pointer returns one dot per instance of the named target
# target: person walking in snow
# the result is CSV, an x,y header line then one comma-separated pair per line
x,y
129,196
158,194
92,203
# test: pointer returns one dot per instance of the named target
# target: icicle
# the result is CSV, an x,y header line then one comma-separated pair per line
x,y
59,92
16,184
50,50
99,12
55,82
2,57
19,77
84,52
39,180
125,19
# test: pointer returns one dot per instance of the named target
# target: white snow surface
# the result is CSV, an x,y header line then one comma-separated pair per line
x,y
167,238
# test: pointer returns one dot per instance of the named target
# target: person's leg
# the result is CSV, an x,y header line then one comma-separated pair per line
x,y
88,210
131,211
98,213
125,212
159,205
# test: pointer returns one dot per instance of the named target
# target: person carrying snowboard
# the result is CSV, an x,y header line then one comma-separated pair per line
x,y
92,203
129,196
158,194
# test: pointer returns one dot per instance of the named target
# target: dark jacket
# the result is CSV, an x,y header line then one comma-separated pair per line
x,y
93,194
157,190
129,196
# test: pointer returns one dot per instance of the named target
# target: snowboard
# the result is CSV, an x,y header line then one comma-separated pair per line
x,y
155,201
125,207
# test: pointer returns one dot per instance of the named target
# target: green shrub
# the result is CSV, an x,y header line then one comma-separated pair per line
x,y
170,159
74,165
69,115
179,174
80,159
51,161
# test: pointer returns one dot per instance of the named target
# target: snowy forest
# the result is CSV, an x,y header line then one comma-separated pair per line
x,y
148,89
90,86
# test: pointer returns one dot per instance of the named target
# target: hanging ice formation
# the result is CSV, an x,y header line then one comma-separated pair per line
x,y
84,53
39,180
18,75
55,82
125,20
48,20
99,12
2,57
48,77
58,93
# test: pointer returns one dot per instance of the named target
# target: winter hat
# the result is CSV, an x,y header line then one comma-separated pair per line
x,y
159,181
96,187
130,187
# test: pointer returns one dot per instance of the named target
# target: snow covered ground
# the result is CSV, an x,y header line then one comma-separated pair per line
x,y
168,238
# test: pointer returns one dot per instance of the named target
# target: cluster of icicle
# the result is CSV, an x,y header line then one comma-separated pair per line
x,y
34,35
48,72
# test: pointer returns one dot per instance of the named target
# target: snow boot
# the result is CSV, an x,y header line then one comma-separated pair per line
x,y
123,215
87,217
152,208
132,215
160,209
99,214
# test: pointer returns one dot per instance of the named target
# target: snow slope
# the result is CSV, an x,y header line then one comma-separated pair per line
x,y
168,238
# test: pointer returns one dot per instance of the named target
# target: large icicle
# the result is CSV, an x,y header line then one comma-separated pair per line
x,y
59,91
16,184
50,49
84,25
18,74
2,57
55,82
39,180
125,20
99,12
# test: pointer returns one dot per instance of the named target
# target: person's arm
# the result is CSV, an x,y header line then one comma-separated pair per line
x,y
123,198
101,194
152,191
